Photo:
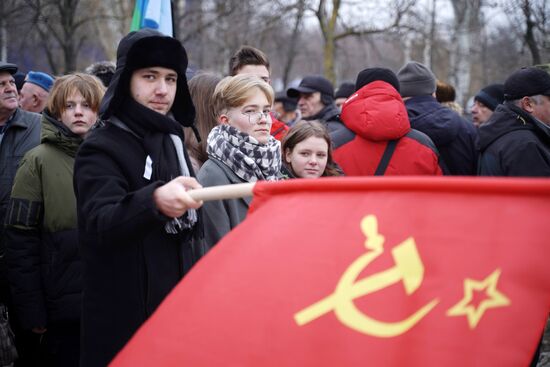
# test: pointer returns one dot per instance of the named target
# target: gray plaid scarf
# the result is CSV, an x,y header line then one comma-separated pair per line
x,y
244,155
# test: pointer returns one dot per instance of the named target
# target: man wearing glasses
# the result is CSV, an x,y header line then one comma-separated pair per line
x,y
250,60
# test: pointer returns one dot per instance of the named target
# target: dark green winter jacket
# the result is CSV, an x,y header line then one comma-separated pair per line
x,y
41,235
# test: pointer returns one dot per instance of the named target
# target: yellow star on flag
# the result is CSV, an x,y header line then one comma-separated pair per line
x,y
494,299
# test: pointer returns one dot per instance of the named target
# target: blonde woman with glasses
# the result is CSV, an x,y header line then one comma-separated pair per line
x,y
240,149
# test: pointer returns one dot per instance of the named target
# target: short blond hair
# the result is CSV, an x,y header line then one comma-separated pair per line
x,y
233,91
89,86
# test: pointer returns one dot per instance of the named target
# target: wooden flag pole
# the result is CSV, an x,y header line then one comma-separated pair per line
x,y
222,192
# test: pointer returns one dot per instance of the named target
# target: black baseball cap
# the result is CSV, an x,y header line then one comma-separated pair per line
x,y
311,84
6,66
526,82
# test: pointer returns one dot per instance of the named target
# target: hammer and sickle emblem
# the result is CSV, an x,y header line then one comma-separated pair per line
x,y
408,268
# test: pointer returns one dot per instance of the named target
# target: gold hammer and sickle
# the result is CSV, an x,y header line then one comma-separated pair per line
x,y
408,268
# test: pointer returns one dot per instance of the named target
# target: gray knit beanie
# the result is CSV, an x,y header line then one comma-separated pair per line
x,y
416,79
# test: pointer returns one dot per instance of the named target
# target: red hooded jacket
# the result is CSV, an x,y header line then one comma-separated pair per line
x,y
376,114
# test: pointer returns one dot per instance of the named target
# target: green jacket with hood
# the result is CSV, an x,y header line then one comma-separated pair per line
x,y
41,235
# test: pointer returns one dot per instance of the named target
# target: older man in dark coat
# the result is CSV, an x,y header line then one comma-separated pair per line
x,y
19,133
515,141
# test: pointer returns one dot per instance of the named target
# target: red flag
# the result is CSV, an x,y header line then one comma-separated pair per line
x,y
377,271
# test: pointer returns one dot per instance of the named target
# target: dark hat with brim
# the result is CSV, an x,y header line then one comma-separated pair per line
x,y
312,84
6,66
526,82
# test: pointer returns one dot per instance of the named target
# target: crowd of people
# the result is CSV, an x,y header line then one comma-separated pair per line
x,y
96,168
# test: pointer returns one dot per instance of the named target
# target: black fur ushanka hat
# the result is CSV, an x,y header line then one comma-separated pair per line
x,y
148,48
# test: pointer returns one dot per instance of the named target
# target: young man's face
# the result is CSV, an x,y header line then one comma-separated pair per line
x,y
257,70
8,93
78,115
155,88
252,117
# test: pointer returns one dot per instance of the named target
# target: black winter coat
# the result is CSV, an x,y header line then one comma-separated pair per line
x,y
130,262
22,134
330,117
453,136
514,143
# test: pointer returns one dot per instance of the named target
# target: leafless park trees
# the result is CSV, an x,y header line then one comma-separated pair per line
x,y
468,43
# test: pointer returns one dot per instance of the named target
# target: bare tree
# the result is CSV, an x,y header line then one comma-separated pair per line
x,y
530,21
11,13
415,32
429,45
286,36
465,45
331,37
63,27
111,23
334,29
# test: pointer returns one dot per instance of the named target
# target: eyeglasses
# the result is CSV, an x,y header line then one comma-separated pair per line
x,y
255,117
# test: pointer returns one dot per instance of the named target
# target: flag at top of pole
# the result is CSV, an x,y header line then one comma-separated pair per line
x,y
154,14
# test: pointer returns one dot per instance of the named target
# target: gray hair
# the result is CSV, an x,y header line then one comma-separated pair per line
x,y
537,99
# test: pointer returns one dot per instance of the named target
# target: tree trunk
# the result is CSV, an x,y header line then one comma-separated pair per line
x,y
328,29
407,47
328,58
3,33
530,34
429,51
194,20
466,34
111,30
293,43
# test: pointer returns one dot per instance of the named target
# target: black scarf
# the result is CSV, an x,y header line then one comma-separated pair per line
x,y
155,130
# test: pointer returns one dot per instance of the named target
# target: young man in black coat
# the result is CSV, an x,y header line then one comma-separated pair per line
x,y
137,224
